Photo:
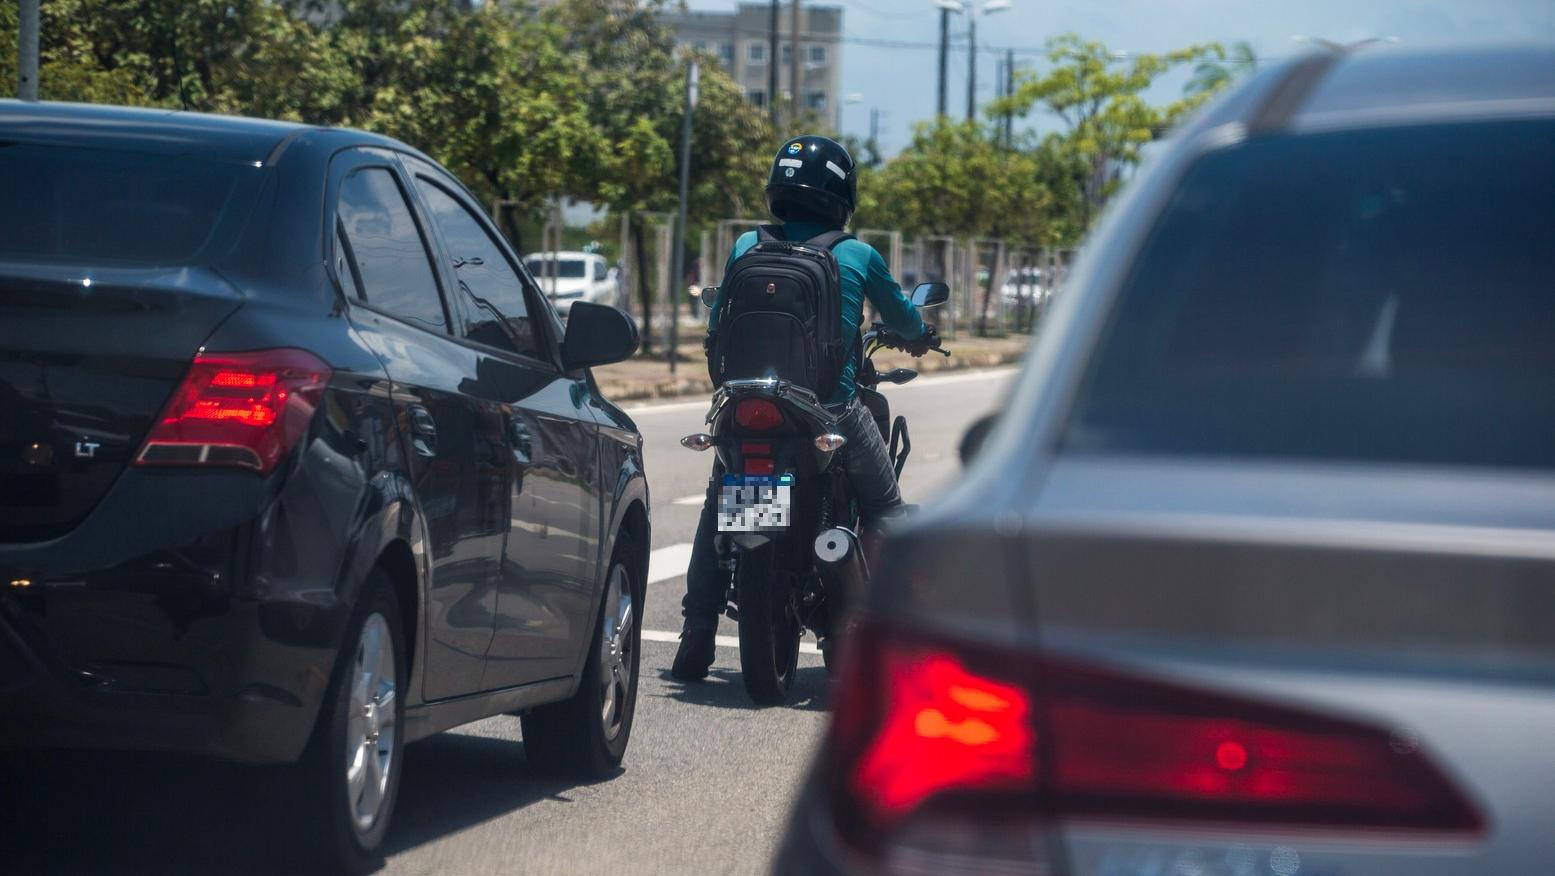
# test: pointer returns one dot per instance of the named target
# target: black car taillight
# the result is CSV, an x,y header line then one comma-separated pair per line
x,y
245,410
928,732
757,414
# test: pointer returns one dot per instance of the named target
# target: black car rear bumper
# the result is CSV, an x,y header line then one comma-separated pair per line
x,y
237,695
199,648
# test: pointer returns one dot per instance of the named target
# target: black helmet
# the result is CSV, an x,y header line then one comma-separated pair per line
x,y
813,179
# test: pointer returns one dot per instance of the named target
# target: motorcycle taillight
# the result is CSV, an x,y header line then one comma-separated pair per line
x,y
757,415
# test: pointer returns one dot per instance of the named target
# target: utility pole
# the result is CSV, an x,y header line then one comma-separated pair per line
x,y
1009,91
678,259
944,56
874,135
971,66
793,65
772,58
27,52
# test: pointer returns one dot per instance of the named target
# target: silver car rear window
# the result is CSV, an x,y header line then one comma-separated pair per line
x,y
1370,295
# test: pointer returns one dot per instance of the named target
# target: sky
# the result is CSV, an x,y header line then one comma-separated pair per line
x,y
901,81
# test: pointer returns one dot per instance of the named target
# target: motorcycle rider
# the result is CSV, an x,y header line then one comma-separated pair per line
x,y
816,196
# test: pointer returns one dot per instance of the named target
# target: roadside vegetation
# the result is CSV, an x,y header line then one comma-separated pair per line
x,y
584,99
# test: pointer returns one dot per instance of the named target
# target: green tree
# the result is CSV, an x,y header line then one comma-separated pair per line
x,y
1097,95
1227,65
960,180
634,85
489,93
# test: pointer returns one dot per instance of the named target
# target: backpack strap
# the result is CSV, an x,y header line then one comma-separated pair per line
x,y
830,239
770,233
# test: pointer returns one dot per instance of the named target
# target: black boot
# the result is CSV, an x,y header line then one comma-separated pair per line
x,y
697,641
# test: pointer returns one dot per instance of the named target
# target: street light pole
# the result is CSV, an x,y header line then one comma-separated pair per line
x,y
971,67
27,52
772,71
793,65
989,7
944,55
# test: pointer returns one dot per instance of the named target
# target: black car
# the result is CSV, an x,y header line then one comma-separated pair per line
x,y
295,462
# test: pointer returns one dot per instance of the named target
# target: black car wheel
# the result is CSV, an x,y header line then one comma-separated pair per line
x,y
350,776
586,736
770,631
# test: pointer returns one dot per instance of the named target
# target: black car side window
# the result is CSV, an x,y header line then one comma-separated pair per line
x,y
392,265
497,314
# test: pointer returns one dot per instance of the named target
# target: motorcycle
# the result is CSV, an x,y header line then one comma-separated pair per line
x,y
788,535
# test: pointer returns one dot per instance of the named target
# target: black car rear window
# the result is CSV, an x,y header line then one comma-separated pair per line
x,y
1373,295
98,206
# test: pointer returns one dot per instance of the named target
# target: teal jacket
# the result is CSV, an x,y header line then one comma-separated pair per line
x,y
864,275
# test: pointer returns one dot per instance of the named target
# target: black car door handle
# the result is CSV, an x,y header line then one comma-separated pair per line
x,y
423,431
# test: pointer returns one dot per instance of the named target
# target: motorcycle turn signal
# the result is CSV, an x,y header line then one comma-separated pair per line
x,y
699,442
829,443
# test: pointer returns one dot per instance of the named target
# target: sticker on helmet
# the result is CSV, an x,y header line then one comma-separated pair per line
x,y
788,172
790,162
841,174
795,148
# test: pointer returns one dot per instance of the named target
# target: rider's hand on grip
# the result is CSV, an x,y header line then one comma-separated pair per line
x,y
929,340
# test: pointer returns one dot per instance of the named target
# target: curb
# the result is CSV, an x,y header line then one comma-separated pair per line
x,y
680,387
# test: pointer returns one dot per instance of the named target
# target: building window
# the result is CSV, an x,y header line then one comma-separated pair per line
x,y
788,54
755,53
699,46
757,96
815,55
726,53
816,100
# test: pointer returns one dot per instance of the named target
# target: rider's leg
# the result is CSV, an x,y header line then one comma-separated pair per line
x,y
705,593
870,470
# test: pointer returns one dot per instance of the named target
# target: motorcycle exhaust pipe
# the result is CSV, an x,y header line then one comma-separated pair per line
x,y
839,560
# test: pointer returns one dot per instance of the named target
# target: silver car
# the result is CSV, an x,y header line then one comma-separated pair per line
x,y
1256,573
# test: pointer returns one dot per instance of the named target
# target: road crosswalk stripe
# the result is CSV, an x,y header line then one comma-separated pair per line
x,y
723,641
668,562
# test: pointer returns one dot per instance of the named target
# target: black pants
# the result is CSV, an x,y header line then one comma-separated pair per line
x,y
870,474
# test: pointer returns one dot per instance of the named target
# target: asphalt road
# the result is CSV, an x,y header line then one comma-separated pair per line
x,y
705,789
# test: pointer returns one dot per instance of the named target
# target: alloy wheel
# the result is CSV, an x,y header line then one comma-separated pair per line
x,y
370,723
615,652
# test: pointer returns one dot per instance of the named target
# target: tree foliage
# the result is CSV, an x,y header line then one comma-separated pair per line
x,y
1097,94
1219,71
957,179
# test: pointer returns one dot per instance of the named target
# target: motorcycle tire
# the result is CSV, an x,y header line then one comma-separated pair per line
x,y
769,631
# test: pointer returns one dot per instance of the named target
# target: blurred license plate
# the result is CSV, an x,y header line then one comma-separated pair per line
x,y
754,504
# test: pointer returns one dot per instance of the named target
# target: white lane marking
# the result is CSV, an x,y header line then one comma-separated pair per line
x,y
668,407
690,500
930,380
668,562
725,641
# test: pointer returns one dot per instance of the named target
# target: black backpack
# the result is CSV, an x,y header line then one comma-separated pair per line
x,y
782,313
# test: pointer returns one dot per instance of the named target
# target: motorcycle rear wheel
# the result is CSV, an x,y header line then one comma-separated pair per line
x,y
769,631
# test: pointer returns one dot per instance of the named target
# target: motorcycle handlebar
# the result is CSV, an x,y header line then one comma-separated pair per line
x,y
888,338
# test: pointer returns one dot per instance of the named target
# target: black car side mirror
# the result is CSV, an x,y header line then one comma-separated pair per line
x,y
930,294
976,434
597,334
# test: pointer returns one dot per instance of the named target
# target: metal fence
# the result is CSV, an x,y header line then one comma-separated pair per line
x,y
997,287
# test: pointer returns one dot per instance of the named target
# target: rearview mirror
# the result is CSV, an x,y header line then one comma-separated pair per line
x,y
597,334
976,434
707,295
930,294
